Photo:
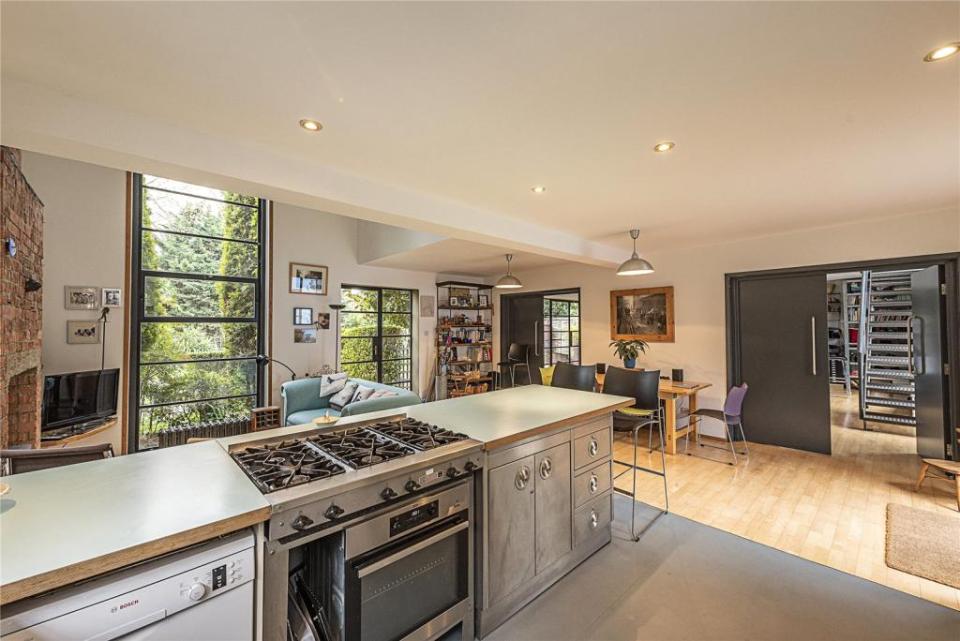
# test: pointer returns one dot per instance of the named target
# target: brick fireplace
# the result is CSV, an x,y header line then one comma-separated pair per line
x,y
21,218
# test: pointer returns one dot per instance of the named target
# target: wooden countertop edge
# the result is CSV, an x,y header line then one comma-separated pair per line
x,y
92,567
536,431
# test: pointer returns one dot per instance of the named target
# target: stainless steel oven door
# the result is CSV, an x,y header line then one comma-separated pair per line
x,y
396,589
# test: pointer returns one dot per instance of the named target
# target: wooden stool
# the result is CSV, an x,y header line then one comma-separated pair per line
x,y
950,467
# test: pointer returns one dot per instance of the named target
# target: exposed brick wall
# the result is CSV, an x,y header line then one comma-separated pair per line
x,y
21,217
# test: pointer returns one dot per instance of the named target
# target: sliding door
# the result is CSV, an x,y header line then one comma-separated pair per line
x,y
376,334
929,345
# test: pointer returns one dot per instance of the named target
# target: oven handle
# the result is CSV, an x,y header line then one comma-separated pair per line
x,y
407,551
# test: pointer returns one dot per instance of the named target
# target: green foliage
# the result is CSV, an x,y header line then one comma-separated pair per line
x,y
358,329
629,349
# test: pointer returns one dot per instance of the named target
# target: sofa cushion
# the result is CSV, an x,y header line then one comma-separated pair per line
x,y
380,393
342,398
546,375
307,416
363,393
330,384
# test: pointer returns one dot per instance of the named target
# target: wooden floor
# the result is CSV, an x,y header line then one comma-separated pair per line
x,y
828,509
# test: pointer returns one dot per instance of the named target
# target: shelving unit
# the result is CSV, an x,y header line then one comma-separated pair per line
x,y
843,320
464,335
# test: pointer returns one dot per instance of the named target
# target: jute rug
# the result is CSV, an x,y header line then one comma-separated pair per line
x,y
924,543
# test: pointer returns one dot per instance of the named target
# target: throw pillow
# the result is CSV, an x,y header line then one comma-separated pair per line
x,y
332,383
363,393
380,393
342,398
546,375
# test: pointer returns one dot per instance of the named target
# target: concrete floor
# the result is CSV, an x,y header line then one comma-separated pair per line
x,y
685,580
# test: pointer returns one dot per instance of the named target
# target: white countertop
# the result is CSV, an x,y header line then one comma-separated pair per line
x,y
61,525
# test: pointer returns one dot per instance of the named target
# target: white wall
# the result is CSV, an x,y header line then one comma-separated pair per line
x,y
318,238
84,230
697,275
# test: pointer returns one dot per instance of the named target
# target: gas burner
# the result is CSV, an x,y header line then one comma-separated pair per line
x,y
361,447
418,434
285,464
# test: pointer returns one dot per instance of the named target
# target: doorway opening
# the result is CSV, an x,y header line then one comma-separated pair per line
x,y
543,327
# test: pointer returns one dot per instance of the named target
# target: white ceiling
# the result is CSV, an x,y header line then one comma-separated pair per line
x,y
468,258
441,117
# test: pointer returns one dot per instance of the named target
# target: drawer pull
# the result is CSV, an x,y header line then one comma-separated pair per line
x,y
594,519
594,483
546,468
594,447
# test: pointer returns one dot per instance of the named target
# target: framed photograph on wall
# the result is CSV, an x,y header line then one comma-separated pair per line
x,y
308,279
642,314
484,300
76,297
111,297
427,302
323,320
83,332
304,335
303,316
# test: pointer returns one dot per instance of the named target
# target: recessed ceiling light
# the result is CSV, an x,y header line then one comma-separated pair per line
x,y
538,189
942,52
310,125
666,145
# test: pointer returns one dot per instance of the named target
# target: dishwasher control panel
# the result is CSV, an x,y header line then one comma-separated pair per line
x,y
206,580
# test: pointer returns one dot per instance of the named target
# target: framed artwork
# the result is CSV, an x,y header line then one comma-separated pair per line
x,y
308,279
83,332
323,320
454,301
427,302
303,316
304,335
484,300
111,297
642,314
81,297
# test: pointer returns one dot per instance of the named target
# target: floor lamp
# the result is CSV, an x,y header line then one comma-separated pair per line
x,y
336,307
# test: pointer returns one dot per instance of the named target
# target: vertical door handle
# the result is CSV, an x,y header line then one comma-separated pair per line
x,y
813,345
536,338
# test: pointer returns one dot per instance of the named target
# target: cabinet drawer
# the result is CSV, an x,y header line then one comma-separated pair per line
x,y
593,482
592,518
591,448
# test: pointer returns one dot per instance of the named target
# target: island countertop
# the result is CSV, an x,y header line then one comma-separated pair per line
x,y
507,416
62,525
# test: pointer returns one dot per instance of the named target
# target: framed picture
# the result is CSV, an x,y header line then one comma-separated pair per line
x,y
323,320
308,279
81,297
111,297
644,314
427,302
83,332
454,301
303,335
484,300
303,316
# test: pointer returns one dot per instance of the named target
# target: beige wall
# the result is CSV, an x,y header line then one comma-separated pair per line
x,y
84,231
697,275
317,238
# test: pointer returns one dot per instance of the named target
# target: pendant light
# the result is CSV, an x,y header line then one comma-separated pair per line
x,y
508,280
635,266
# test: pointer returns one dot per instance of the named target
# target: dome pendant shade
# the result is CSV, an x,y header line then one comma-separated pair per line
x,y
508,280
635,266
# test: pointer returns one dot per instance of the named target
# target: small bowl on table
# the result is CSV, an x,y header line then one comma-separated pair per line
x,y
325,421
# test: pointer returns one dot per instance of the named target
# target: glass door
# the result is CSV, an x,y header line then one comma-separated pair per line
x,y
376,334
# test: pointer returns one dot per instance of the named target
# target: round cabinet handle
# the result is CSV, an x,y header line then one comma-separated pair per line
x,y
594,483
523,475
594,447
594,519
546,468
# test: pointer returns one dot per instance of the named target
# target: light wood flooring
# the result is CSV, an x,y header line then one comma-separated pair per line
x,y
828,509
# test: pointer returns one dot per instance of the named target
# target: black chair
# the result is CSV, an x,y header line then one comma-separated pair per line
x,y
581,377
19,461
644,387
518,357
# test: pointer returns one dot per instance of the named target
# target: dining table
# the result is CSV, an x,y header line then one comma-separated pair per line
x,y
672,394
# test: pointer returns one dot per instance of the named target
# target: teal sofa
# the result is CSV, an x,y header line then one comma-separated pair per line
x,y
302,402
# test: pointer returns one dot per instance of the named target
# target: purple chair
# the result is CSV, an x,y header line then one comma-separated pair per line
x,y
731,416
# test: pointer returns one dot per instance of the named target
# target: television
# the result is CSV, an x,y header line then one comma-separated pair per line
x,y
79,397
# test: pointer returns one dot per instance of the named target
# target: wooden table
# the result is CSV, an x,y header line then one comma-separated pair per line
x,y
671,393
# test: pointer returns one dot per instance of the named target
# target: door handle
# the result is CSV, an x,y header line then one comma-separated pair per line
x,y
546,468
523,475
536,338
407,551
917,356
813,345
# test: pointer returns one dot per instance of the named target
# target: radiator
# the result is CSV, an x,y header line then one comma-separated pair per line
x,y
209,429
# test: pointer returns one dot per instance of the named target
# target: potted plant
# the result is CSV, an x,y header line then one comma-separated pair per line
x,y
628,350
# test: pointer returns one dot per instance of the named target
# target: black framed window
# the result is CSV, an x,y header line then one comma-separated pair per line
x,y
561,331
376,334
198,274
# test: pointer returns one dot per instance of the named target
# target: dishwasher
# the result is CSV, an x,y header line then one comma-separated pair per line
x,y
202,593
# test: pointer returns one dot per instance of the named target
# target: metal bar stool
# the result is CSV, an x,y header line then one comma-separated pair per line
x,y
644,386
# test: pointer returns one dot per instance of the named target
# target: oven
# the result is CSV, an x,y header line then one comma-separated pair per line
x,y
402,573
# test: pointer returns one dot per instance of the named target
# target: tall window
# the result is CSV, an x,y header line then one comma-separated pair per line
x,y
376,334
198,281
561,331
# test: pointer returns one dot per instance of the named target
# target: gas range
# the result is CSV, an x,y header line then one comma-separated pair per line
x,y
323,480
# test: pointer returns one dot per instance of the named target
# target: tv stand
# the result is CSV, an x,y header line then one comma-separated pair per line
x,y
70,435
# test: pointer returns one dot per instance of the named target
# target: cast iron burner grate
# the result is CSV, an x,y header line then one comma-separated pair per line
x,y
285,464
418,434
361,447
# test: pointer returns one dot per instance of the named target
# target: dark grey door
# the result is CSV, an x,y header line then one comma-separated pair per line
x,y
928,340
523,324
782,329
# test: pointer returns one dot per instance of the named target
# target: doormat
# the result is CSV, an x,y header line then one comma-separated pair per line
x,y
924,543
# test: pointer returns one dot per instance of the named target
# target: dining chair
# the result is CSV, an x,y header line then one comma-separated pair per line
x,y
732,417
579,377
518,356
644,387
19,461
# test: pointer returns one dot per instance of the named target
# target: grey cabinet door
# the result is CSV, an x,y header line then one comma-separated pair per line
x,y
554,505
929,381
511,531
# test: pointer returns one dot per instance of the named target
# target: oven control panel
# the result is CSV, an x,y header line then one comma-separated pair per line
x,y
414,517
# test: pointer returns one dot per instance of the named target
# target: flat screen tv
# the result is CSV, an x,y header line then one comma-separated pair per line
x,y
79,397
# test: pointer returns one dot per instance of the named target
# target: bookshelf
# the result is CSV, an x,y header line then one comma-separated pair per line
x,y
464,335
